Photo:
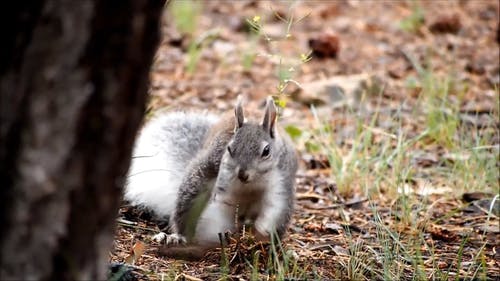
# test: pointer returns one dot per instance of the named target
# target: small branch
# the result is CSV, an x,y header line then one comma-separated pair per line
x,y
135,226
335,206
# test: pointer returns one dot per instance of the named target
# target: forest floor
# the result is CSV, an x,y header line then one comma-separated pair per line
x,y
395,116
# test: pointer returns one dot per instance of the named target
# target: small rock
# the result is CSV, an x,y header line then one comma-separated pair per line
x,y
339,90
333,228
353,227
424,159
473,196
355,203
446,24
325,45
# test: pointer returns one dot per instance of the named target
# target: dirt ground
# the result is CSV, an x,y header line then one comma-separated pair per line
x,y
337,230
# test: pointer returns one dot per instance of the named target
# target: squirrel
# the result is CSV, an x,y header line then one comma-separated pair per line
x,y
245,168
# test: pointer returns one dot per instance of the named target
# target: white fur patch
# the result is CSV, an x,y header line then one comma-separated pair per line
x,y
275,204
161,154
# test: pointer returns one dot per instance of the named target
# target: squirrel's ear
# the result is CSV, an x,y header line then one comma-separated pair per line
x,y
238,112
269,117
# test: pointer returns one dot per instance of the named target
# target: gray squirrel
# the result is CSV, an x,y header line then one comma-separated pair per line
x,y
247,168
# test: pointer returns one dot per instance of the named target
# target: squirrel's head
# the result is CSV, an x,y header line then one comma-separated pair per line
x,y
251,152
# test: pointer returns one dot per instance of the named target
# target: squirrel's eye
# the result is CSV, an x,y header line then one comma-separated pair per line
x,y
266,151
229,150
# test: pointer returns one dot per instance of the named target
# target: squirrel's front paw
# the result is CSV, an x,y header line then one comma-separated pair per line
x,y
169,239
175,239
160,237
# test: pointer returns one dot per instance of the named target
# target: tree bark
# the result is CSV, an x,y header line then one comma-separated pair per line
x,y
73,85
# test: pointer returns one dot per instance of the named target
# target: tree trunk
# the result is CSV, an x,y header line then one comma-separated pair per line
x,y
73,84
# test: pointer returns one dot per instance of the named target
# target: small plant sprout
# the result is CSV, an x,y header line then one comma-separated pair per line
x,y
196,47
306,57
289,21
185,15
415,20
285,71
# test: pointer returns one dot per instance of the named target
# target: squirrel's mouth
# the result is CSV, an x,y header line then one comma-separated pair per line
x,y
244,181
243,176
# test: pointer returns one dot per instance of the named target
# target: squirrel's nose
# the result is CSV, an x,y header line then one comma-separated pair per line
x,y
242,175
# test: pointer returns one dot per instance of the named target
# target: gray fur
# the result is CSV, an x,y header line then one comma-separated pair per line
x,y
201,170
242,183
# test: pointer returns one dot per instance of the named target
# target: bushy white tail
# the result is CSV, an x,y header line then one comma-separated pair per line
x,y
162,152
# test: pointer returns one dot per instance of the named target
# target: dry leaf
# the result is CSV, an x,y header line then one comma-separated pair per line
x,y
135,252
